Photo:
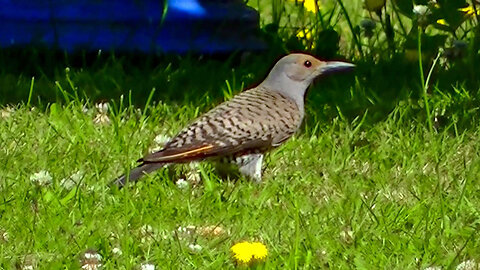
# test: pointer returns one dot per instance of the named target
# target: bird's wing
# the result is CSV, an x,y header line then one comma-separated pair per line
x,y
196,152
244,124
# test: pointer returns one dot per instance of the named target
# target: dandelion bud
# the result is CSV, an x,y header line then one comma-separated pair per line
x,y
374,5
368,26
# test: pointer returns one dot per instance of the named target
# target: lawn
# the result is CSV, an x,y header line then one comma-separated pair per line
x,y
340,194
383,174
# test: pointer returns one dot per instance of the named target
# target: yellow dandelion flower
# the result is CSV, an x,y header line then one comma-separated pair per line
x,y
309,5
242,252
304,33
247,252
442,22
259,251
469,11
306,36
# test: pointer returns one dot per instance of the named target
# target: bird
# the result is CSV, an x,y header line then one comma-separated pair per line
x,y
244,128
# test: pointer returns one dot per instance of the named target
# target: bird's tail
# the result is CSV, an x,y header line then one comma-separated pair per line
x,y
136,173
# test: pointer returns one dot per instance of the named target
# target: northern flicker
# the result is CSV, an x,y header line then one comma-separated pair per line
x,y
245,127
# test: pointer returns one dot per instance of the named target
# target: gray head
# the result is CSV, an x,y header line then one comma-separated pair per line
x,y
292,75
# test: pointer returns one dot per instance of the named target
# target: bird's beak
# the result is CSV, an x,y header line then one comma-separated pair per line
x,y
335,66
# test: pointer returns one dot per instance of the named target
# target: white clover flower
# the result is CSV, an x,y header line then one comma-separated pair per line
x,y
85,109
112,236
92,255
147,266
161,139
30,262
91,260
468,265
89,266
421,10
4,235
70,182
147,233
101,118
158,142
187,230
6,112
347,236
181,183
433,268
146,230
195,248
184,232
117,251
41,178
193,177
102,107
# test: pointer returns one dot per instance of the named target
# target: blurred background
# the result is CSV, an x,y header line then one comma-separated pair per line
x,y
194,51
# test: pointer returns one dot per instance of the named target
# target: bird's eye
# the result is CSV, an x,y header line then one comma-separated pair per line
x,y
307,63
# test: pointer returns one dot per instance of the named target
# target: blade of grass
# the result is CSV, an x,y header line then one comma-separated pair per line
x,y
422,79
147,104
64,93
350,25
30,92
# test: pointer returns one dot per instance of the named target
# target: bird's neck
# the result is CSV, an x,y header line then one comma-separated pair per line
x,y
288,88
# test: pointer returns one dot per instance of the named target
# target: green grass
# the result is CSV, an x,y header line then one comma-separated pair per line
x,y
340,194
373,180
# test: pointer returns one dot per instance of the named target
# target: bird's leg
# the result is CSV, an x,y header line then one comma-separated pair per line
x,y
251,166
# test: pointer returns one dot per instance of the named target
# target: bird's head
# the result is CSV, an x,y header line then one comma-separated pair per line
x,y
304,68
293,73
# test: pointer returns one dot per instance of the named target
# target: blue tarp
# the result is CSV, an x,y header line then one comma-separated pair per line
x,y
130,25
